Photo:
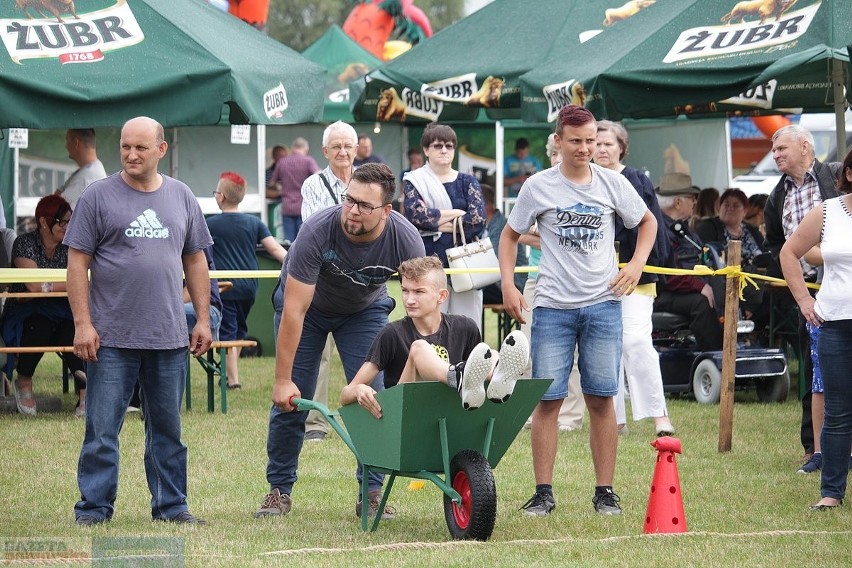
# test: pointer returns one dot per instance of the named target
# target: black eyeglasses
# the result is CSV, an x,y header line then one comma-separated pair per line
x,y
441,145
62,222
363,208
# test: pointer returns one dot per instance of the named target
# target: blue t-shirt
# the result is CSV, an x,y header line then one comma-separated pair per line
x,y
348,276
235,238
514,166
137,241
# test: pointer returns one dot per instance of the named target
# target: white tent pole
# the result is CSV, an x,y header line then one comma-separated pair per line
x,y
498,168
261,172
16,182
838,81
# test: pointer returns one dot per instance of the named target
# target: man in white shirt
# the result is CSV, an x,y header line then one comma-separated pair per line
x,y
82,148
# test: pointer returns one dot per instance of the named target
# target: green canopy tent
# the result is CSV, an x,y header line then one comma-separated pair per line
x,y
700,58
469,71
97,63
345,61
475,63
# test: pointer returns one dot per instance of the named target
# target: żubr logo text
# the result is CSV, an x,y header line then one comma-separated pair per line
x,y
72,39
709,41
454,90
559,95
420,105
275,102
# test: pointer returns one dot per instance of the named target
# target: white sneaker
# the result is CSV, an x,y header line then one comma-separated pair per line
x,y
514,355
472,388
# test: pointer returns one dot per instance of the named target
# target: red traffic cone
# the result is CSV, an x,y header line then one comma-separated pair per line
x,y
665,504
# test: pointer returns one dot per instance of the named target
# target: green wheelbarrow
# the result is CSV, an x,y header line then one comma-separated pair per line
x,y
425,432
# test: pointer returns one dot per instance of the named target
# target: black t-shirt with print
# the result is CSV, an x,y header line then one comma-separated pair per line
x,y
453,342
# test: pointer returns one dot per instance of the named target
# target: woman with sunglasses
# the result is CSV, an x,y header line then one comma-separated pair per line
x,y
435,195
45,321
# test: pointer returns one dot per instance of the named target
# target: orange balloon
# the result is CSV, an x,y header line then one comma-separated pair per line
x,y
768,125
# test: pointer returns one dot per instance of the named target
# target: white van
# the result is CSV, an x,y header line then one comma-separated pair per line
x,y
765,175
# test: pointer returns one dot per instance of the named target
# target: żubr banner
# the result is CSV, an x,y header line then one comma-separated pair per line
x,y
53,29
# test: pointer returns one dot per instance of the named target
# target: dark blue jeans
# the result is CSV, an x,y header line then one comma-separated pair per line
x,y
835,360
353,335
111,381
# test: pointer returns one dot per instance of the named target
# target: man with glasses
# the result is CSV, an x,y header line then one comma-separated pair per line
x,y
332,282
688,295
321,190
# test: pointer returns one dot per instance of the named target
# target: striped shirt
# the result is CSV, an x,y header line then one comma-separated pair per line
x,y
315,195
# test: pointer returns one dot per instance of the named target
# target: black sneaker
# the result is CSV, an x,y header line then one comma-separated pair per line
x,y
185,518
539,505
314,436
607,503
88,521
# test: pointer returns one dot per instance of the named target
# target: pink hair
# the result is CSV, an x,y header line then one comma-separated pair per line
x,y
233,177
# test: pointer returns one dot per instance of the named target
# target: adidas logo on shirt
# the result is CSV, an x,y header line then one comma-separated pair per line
x,y
147,226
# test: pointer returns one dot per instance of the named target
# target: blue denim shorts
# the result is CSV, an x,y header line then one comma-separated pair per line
x,y
596,330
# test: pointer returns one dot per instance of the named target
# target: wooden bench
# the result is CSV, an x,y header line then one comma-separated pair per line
x,y
210,364
66,374
214,367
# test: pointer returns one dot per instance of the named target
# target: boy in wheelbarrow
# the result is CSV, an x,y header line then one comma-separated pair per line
x,y
422,345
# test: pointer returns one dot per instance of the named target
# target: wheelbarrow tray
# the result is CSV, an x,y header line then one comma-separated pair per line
x,y
408,436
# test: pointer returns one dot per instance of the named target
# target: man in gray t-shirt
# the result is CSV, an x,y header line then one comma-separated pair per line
x,y
577,300
333,281
139,232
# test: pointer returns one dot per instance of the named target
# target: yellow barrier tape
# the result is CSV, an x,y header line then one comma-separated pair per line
x,y
15,275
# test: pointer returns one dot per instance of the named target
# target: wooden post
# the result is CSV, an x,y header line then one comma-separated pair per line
x,y
729,351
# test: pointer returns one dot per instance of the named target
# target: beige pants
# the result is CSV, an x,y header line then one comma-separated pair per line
x,y
315,421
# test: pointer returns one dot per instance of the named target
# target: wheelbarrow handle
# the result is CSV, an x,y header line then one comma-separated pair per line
x,y
308,404
303,404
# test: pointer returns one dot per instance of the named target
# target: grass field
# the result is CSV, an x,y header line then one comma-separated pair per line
x,y
743,508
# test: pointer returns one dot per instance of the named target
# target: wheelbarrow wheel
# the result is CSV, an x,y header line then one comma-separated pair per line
x,y
473,480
